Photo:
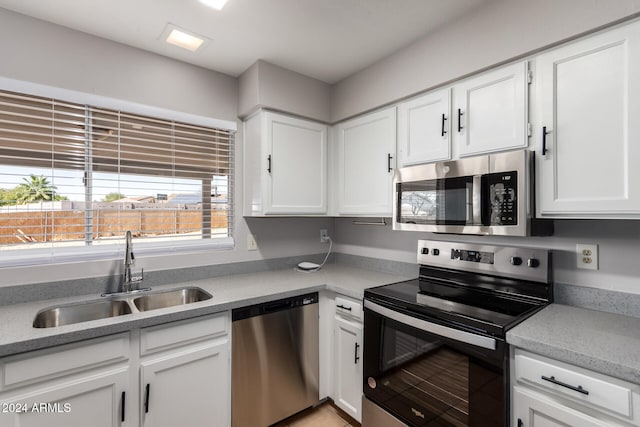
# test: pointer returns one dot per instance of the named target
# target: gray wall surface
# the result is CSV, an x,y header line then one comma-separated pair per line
x,y
618,240
48,54
495,33
269,86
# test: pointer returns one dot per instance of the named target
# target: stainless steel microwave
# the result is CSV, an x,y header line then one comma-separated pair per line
x,y
484,195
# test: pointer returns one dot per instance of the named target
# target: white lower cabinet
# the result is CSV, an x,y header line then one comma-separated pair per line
x,y
94,399
190,388
166,375
79,384
347,367
550,393
534,410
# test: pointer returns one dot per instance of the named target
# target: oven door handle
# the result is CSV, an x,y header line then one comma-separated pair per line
x,y
434,328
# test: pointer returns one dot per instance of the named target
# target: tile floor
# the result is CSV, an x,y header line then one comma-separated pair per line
x,y
324,415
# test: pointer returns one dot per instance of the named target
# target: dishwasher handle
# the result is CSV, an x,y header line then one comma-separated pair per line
x,y
277,306
274,306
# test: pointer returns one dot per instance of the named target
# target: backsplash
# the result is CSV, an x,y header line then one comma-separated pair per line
x,y
618,240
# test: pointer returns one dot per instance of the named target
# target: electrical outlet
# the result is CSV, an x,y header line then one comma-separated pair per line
x,y
324,235
252,245
587,256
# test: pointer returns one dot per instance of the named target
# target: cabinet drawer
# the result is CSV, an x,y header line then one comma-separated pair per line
x,y
40,365
348,307
176,334
589,388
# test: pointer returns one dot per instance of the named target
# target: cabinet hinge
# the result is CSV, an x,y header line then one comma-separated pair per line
x,y
529,129
529,76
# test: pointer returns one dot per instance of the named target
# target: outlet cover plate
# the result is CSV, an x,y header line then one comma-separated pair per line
x,y
587,256
252,245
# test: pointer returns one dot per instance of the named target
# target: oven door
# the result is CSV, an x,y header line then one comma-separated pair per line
x,y
428,373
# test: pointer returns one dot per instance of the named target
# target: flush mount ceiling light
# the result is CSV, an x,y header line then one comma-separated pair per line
x,y
183,38
216,4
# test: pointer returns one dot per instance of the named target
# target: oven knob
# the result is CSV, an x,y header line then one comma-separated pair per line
x,y
372,382
516,260
533,263
435,252
425,251
455,254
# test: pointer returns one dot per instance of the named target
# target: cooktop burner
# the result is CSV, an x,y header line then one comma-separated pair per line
x,y
483,289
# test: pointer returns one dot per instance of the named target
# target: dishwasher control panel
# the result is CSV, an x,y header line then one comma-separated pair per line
x,y
274,306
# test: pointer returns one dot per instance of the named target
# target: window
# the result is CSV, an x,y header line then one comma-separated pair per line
x,y
74,175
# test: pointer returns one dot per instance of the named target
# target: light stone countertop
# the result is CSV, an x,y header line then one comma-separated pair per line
x,y
17,334
602,342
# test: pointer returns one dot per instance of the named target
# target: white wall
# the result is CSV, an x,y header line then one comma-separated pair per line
x,y
495,33
43,53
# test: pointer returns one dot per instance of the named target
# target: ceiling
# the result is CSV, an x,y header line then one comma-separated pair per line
x,y
325,39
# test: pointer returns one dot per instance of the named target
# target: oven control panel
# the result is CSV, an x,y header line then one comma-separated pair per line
x,y
516,262
472,256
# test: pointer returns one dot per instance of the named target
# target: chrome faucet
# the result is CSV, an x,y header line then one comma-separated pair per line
x,y
128,280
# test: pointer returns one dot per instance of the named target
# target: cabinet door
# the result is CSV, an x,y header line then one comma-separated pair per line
x,y
490,111
589,104
366,158
94,399
296,165
533,410
187,389
348,366
424,126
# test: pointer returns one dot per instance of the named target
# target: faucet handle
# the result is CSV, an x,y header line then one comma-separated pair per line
x,y
137,278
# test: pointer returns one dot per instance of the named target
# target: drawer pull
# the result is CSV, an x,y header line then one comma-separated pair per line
x,y
343,307
553,380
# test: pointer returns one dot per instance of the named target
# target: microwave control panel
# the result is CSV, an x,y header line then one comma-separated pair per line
x,y
501,197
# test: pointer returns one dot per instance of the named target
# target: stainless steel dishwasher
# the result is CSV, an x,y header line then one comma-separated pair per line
x,y
274,355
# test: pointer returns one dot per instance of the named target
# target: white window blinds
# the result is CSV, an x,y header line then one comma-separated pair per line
x,y
78,175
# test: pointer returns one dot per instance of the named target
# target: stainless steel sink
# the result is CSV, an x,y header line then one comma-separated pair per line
x,y
170,298
126,303
81,312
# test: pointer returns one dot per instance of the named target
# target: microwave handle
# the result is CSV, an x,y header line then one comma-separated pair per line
x,y
476,200
434,328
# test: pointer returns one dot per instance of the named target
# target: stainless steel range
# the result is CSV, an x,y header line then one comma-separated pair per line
x,y
434,347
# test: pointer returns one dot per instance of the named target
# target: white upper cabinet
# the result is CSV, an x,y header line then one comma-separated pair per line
x,y
366,160
589,105
424,126
490,111
285,166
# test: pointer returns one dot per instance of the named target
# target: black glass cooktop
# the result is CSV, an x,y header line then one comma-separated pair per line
x,y
491,310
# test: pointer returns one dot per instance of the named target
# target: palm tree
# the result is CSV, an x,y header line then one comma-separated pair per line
x,y
34,189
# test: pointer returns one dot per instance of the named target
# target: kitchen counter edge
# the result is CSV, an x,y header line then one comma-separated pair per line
x,y
229,292
603,342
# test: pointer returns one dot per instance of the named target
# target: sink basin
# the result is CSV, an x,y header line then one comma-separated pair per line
x,y
82,312
170,298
